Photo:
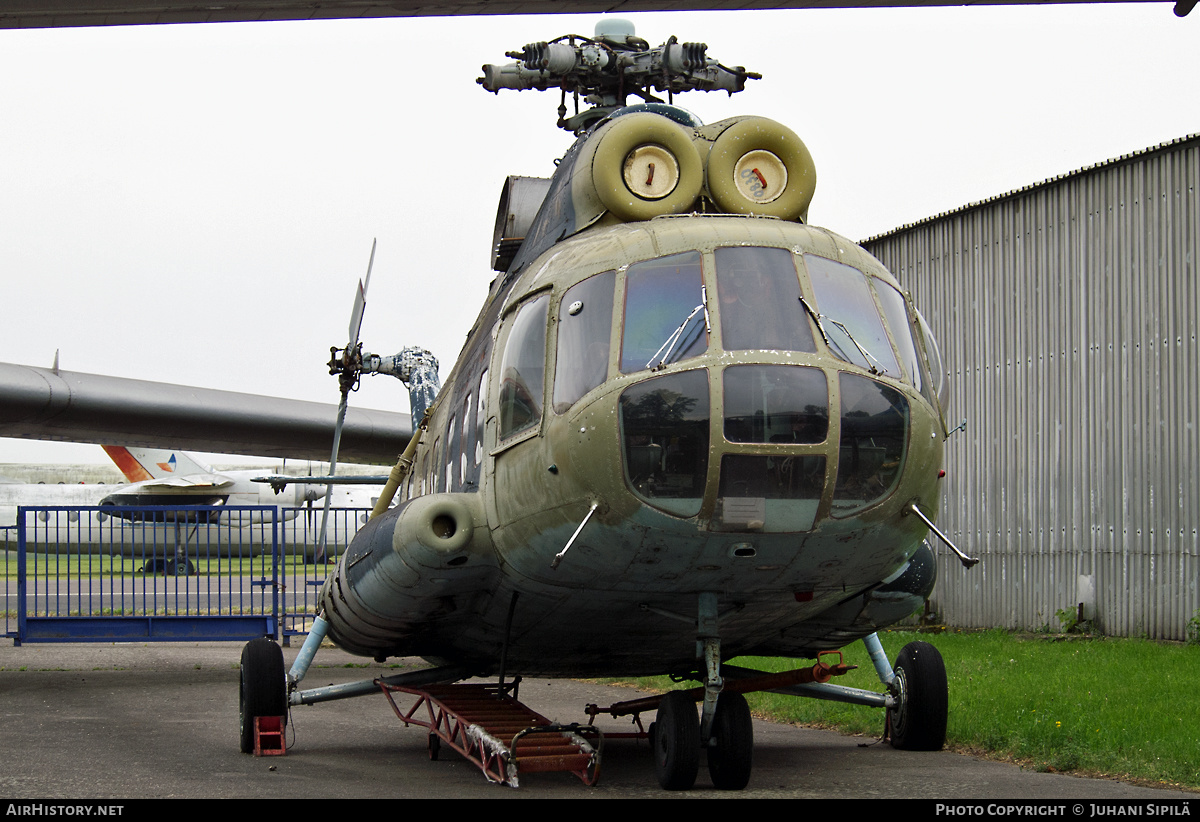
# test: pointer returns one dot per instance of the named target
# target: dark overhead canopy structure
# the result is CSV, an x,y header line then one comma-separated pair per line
x,y
56,13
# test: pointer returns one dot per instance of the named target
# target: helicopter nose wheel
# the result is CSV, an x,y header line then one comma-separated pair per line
x,y
731,748
675,737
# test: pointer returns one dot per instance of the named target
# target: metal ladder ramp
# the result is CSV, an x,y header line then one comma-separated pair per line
x,y
502,736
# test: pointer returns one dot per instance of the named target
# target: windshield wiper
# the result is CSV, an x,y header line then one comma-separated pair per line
x,y
874,368
673,340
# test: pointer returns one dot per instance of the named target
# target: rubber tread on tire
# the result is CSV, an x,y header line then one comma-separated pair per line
x,y
676,742
920,722
263,687
731,757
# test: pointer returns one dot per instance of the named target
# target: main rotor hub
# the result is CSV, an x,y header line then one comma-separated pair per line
x,y
608,67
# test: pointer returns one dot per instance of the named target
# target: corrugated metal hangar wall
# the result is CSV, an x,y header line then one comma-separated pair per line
x,y
1067,316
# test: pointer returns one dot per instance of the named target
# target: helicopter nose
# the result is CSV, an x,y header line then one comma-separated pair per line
x,y
775,442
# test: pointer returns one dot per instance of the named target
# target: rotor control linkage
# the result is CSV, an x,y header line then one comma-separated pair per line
x,y
346,365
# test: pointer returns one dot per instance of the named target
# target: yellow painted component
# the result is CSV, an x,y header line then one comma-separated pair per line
x,y
758,166
623,152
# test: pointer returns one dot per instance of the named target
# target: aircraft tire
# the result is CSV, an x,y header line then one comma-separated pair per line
x,y
731,754
634,132
176,569
918,723
263,687
758,134
675,736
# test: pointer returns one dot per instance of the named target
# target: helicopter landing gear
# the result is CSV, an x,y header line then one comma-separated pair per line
x,y
724,729
918,722
675,738
731,747
263,687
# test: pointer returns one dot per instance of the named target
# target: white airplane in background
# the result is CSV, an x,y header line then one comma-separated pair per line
x,y
14,494
169,477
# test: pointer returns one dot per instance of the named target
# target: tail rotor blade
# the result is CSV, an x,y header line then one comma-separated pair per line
x,y
337,441
360,301
347,382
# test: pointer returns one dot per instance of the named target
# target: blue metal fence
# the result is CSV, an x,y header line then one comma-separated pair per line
x,y
92,574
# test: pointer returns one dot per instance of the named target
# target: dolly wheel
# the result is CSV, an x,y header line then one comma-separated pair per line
x,y
263,687
918,723
676,742
731,751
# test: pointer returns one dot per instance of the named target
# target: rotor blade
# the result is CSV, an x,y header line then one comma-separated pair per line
x,y
337,439
360,301
360,304
283,480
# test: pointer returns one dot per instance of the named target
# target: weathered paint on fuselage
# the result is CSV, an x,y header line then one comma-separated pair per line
x,y
623,600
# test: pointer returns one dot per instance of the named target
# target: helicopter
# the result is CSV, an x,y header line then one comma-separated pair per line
x,y
686,426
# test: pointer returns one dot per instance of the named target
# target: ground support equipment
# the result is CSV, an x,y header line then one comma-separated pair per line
x,y
738,680
500,735
268,736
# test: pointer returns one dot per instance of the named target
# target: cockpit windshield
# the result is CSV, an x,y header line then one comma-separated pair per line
x,y
666,319
848,316
760,300
776,437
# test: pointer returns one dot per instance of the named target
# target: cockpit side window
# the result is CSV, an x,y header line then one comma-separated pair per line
x,y
760,301
940,384
895,312
523,369
665,316
848,316
584,331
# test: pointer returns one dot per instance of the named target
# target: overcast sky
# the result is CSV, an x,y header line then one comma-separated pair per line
x,y
195,204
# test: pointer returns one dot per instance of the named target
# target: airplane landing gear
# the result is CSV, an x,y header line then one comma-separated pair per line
x,y
263,687
918,722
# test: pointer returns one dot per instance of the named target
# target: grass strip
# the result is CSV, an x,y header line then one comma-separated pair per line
x,y
1063,703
